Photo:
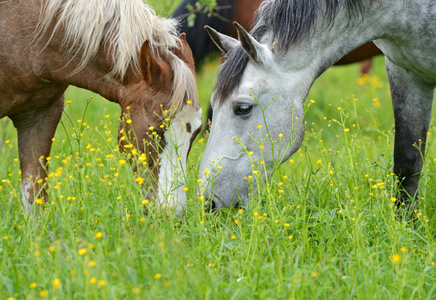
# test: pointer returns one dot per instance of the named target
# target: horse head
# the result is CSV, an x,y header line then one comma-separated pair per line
x,y
160,118
257,124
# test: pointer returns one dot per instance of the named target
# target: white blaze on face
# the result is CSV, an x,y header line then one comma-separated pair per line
x,y
172,172
26,188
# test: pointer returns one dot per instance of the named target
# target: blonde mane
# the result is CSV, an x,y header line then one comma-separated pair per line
x,y
123,25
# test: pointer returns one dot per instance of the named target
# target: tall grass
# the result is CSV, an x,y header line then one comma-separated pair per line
x,y
323,226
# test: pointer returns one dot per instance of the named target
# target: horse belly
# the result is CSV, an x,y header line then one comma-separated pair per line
x,y
14,100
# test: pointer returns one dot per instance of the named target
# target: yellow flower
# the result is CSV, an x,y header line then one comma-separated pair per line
x,y
43,293
98,235
393,199
346,129
314,274
259,126
92,263
158,276
396,258
56,283
93,280
287,224
136,291
122,162
403,249
185,188
280,135
83,251
233,237
33,285
38,201
101,283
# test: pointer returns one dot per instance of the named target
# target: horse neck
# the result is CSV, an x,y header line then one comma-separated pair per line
x,y
95,77
328,46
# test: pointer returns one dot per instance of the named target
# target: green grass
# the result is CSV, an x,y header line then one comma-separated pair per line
x,y
324,227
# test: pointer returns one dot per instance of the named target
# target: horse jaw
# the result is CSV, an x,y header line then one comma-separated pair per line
x,y
172,170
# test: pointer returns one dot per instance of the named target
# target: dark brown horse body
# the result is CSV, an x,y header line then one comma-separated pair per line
x,y
36,68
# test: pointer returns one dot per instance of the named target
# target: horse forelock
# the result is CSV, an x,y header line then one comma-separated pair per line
x,y
288,22
123,25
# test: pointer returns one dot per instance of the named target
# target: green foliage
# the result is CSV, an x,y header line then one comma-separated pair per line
x,y
202,6
322,227
166,7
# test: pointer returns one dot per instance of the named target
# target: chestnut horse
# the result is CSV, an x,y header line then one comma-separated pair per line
x,y
116,48
242,11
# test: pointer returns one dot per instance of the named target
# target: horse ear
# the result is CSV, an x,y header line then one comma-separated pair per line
x,y
223,42
254,49
183,51
150,67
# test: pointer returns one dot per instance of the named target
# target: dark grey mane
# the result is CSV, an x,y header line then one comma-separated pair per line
x,y
290,22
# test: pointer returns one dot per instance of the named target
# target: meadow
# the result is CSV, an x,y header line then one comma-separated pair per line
x,y
324,226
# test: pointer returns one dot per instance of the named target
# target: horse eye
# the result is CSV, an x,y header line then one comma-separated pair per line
x,y
242,109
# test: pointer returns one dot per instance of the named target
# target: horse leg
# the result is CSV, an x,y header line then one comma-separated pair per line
x,y
412,99
36,130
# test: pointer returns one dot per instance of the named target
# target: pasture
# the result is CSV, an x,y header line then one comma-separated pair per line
x,y
323,226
